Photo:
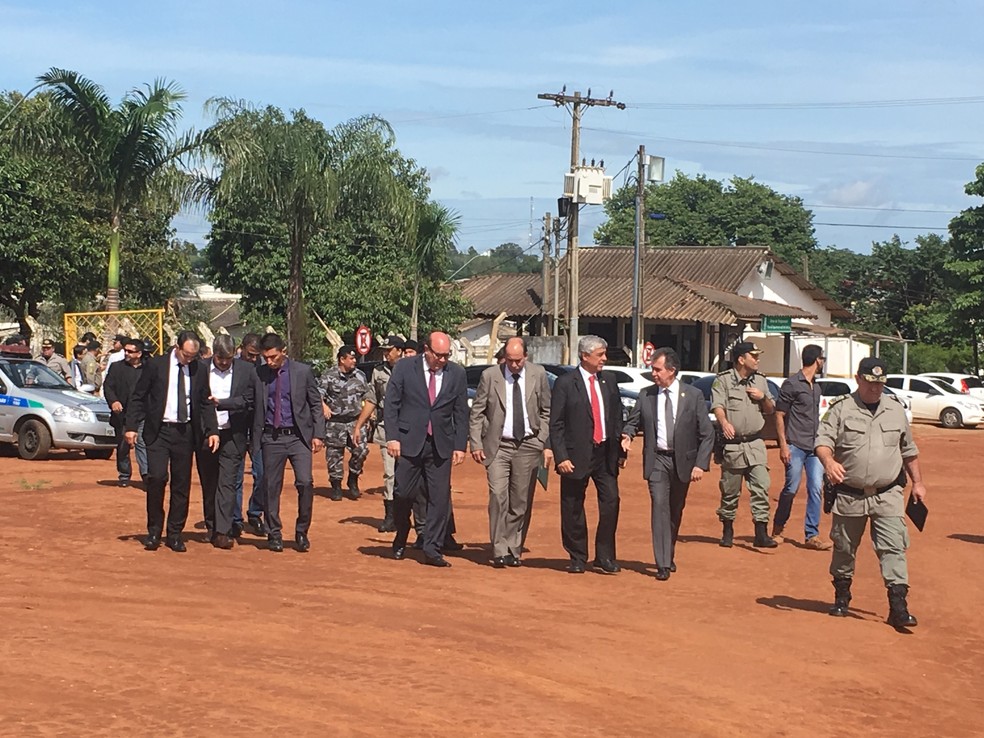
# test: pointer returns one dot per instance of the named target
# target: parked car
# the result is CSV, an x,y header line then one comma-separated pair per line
x,y
831,387
768,432
967,384
937,401
40,411
626,390
686,376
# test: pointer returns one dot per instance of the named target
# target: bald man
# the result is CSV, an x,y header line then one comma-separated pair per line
x,y
425,415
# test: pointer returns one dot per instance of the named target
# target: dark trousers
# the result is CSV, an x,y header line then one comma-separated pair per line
x,y
573,526
668,496
257,497
217,473
427,477
278,449
173,449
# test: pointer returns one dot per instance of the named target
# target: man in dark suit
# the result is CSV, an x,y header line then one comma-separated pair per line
x,y
170,401
585,437
676,450
232,391
508,432
426,419
288,425
121,380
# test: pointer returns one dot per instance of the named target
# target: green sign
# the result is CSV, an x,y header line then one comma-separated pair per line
x,y
777,324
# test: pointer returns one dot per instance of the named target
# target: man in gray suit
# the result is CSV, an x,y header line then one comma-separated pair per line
x,y
425,415
677,442
508,431
288,425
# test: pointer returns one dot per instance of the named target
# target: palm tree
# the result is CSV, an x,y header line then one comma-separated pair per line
x,y
130,152
437,232
303,171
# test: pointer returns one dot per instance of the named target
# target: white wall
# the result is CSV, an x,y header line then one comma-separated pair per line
x,y
843,354
778,288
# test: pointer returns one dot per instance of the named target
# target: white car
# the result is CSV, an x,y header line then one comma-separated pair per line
x,y
689,377
967,384
831,387
630,378
937,401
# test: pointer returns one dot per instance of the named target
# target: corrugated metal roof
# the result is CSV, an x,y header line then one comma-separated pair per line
x,y
679,283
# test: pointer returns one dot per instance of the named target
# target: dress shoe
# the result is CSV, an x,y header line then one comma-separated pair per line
x,y
419,543
606,565
301,543
222,541
438,561
673,567
663,573
275,544
256,526
399,552
237,531
499,562
575,567
175,544
512,561
451,545
152,543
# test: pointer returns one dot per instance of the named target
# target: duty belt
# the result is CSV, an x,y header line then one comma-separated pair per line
x,y
861,492
343,418
742,439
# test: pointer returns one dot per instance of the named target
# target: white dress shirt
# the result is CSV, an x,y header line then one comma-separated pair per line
x,y
507,426
171,406
586,376
674,390
438,378
221,385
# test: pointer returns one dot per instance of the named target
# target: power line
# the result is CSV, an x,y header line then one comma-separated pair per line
x,y
900,103
888,227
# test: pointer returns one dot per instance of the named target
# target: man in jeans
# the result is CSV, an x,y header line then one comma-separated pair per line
x,y
797,423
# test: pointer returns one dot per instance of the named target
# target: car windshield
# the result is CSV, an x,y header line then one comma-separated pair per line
x,y
32,375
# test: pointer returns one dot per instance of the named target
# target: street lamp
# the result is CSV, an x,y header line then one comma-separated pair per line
x,y
18,103
650,170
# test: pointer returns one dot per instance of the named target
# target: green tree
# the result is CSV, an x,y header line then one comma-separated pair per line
x,y
437,229
702,211
129,152
967,264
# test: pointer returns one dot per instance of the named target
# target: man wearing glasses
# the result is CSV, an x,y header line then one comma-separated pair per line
x,y
425,415
797,424
121,380
249,350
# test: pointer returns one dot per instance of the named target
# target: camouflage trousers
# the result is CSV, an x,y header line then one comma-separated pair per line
x,y
338,437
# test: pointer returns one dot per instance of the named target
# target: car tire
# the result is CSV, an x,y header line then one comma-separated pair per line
x,y
951,418
33,441
103,454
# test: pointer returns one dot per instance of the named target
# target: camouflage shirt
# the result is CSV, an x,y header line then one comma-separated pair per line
x,y
344,393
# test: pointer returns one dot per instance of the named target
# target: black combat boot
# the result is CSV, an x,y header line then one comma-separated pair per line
x,y
388,525
762,539
898,608
353,487
336,490
842,598
728,534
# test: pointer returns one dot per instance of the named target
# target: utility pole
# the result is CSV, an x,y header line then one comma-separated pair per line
x,y
556,276
545,292
577,104
640,240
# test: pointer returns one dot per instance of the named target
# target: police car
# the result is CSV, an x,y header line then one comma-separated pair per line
x,y
40,411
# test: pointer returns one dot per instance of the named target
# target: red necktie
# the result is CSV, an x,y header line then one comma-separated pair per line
x,y
596,412
431,395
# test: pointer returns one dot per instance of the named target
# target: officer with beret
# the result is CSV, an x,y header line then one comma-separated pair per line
x,y
343,390
866,448
740,400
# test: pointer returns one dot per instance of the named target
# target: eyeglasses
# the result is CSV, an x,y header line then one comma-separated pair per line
x,y
134,351
439,356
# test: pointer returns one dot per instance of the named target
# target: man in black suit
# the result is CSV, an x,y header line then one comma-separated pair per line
x,y
426,419
288,425
170,401
585,436
121,380
232,391
676,450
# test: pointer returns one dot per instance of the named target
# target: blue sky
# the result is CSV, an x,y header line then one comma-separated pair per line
x,y
719,88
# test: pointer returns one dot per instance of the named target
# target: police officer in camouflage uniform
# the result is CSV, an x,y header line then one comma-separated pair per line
x,y
343,390
866,448
739,400
392,347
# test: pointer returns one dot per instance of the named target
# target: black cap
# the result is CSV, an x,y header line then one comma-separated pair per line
x,y
392,342
745,347
872,369
347,350
120,338
410,344
47,343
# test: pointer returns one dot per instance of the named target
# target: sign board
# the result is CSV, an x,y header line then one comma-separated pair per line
x,y
777,324
363,340
647,353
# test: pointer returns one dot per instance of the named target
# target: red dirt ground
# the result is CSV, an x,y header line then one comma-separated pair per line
x,y
103,638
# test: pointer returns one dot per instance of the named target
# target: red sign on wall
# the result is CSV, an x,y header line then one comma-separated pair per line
x,y
363,340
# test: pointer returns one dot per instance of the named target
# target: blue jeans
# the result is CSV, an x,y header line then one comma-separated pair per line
x,y
123,466
255,508
814,489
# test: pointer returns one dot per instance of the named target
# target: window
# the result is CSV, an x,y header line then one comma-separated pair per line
x,y
895,382
918,385
834,389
